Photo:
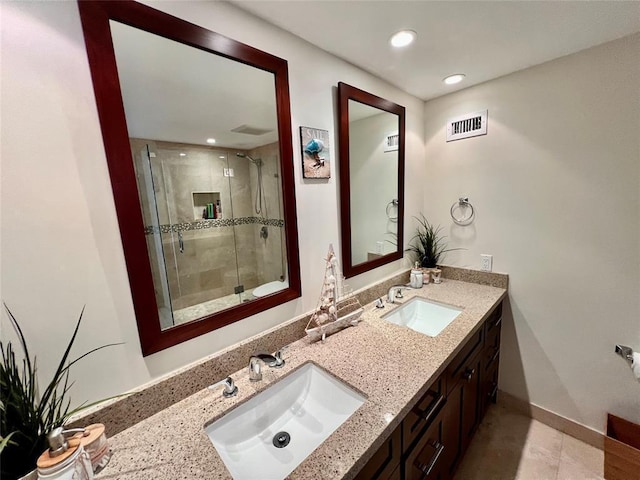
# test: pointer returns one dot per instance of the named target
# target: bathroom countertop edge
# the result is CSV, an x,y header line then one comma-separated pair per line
x,y
172,443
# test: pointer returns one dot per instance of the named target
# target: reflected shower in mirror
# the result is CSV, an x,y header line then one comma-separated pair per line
x,y
212,215
209,249
197,132
371,139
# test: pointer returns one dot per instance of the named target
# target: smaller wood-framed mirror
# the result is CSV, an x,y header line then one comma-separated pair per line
x,y
371,140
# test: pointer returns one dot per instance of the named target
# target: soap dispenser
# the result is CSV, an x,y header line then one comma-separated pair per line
x,y
65,459
417,277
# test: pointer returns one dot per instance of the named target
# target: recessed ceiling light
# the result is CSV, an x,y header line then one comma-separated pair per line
x,y
222,157
453,79
211,140
183,154
403,38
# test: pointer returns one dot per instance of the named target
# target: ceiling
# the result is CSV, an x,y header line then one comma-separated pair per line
x,y
176,93
482,39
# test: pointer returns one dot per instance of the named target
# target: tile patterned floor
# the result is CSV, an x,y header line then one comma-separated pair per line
x,y
510,446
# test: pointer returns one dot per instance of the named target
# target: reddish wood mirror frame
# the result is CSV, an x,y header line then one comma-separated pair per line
x,y
346,93
95,16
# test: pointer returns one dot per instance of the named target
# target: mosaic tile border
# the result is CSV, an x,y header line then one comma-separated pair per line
x,y
216,223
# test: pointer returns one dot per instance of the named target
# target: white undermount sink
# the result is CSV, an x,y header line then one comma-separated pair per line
x,y
300,411
423,316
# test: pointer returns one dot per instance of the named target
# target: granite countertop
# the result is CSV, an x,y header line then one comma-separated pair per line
x,y
392,365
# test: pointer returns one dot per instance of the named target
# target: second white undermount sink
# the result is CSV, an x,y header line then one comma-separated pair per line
x,y
267,437
423,316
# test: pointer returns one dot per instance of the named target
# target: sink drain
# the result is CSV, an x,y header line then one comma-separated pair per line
x,y
281,439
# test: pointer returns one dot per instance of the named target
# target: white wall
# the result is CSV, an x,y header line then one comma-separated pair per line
x,y
556,187
60,243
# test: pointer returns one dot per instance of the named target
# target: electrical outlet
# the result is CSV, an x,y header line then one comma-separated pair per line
x,y
486,262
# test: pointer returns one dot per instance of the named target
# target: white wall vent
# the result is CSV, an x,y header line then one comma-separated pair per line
x,y
249,130
391,142
468,125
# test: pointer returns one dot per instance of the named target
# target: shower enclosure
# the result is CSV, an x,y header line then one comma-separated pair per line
x,y
213,224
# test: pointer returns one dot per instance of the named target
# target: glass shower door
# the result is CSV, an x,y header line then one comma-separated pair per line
x,y
189,204
155,244
214,226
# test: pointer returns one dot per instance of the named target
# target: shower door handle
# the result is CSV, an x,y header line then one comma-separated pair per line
x,y
180,242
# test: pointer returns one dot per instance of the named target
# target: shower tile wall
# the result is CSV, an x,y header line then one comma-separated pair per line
x,y
207,267
269,251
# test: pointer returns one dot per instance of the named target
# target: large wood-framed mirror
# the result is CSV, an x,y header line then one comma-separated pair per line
x,y
197,135
371,139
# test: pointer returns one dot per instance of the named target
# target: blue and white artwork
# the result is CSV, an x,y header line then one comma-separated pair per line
x,y
315,153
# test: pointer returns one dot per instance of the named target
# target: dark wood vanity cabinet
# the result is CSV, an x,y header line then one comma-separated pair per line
x,y
472,385
432,439
385,463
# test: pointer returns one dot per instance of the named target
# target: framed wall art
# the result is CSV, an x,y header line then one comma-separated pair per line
x,y
316,161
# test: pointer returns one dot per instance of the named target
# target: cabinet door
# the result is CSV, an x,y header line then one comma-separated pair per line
x,y
489,388
461,415
426,461
397,474
385,463
470,402
490,361
451,432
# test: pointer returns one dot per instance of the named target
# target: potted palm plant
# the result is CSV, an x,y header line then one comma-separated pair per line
x,y
26,416
428,245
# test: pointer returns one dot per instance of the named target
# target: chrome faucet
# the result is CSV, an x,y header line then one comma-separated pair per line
x,y
396,292
279,363
255,365
230,389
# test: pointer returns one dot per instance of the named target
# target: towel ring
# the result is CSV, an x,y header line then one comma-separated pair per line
x,y
390,205
466,220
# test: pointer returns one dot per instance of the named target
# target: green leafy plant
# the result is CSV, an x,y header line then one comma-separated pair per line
x,y
428,246
26,416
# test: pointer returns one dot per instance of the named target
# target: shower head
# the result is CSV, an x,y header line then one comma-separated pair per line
x,y
259,194
244,155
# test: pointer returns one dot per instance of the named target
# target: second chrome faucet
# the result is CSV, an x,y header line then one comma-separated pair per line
x,y
396,292
256,360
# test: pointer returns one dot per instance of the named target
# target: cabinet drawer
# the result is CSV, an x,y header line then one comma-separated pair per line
x,y
385,462
425,462
461,366
495,318
425,411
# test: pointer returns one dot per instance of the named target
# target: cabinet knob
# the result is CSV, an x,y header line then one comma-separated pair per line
x,y
468,374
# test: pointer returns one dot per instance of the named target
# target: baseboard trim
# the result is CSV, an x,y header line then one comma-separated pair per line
x,y
563,424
